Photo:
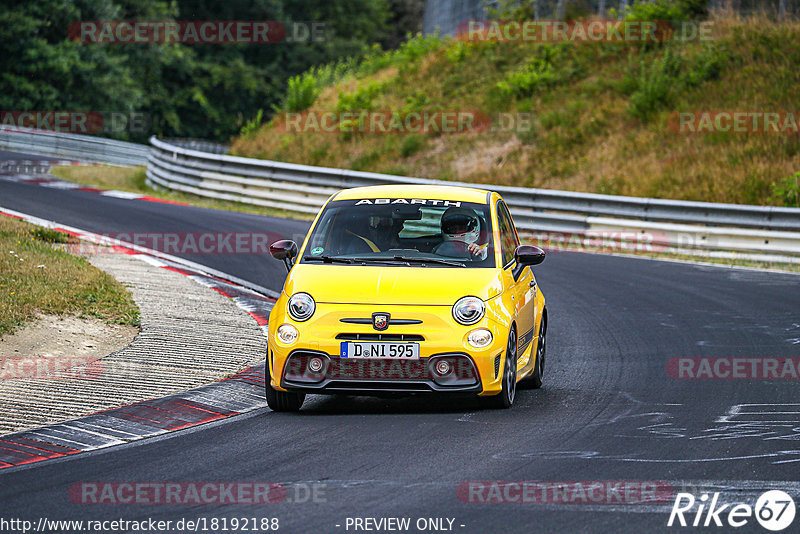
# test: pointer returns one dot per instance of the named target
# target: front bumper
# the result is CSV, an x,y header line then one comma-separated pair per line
x,y
371,376
475,371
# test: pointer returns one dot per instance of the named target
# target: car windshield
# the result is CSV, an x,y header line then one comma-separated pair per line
x,y
406,232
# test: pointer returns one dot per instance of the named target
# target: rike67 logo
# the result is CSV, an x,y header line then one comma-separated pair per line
x,y
774,510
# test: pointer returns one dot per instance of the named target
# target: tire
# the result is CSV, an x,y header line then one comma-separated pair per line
x,y
282,401
534,380
505,399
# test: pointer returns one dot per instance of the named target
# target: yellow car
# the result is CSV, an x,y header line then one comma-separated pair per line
x,y
407,289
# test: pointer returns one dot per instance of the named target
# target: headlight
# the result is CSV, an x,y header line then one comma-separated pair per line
x,y
468,310
480,338
301,306
287,334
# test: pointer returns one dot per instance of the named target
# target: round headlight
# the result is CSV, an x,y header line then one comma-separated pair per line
x,y
287,334
480,338
468,310
301,306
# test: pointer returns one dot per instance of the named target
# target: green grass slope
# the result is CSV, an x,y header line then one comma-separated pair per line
x,y
601,114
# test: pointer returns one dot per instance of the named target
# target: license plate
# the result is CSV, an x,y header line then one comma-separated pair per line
x,y
363,349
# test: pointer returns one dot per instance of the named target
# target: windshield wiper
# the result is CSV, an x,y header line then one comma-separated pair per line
x,y
389,261
437,261
327,259
408,260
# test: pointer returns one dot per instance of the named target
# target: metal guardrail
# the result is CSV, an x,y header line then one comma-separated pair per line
x,y
199,144
667,224
200,168
73,146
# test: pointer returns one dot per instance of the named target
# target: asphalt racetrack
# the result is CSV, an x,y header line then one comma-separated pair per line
x,y
611,410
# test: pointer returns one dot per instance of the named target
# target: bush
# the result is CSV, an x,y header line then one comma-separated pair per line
x,y
416,102
458,52
539,72
524,82
361,100
787,191
414,48
252,126
654,87
653,84
411,145
673,10
301,92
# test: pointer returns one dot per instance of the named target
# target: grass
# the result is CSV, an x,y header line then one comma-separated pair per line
x,y
36,278
132,179
600,114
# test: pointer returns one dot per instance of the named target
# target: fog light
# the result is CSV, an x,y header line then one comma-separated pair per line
x,y
480,338
315,365
287,334
442,367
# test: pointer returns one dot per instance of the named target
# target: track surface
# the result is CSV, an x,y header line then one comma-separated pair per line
x,y
608,411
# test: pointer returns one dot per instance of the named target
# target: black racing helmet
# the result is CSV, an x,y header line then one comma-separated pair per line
x,y
459,221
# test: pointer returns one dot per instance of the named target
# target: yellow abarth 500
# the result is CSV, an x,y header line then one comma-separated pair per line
x,y
407,289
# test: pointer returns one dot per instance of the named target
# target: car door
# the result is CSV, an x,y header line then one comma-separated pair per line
x,y
519,281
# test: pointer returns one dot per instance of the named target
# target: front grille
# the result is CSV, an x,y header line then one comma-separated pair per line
x,y
496,365
385,373
340,385
380,337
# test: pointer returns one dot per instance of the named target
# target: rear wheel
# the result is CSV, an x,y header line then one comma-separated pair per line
x,y
505,399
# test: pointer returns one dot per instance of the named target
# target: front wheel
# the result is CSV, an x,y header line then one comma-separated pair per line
x,y
284,401
505,399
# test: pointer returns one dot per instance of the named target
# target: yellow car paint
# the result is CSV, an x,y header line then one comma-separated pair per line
x,y
414,293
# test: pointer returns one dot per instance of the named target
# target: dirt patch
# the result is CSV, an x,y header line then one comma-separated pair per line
x,y
484,158
66,338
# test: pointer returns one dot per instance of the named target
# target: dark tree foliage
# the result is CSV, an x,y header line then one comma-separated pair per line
x,y
405,17
187,90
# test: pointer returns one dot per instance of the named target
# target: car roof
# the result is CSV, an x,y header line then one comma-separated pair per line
x,y
433,192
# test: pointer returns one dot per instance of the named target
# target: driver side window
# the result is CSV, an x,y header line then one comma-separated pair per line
x,y
508,238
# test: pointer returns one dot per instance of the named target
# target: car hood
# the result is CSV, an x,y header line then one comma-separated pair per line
x,y
354,284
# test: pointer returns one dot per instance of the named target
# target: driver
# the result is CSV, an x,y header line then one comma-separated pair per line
x,y
461,225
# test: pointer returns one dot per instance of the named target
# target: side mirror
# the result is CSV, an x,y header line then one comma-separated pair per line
x,y
529,255
285,251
